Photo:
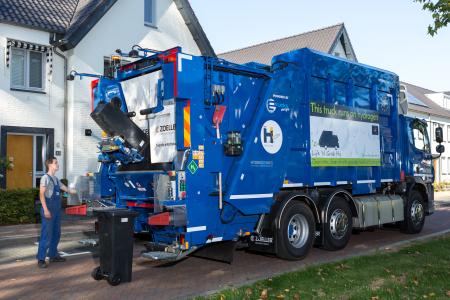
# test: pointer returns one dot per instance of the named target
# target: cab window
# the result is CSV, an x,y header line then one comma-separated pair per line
x,y
420,136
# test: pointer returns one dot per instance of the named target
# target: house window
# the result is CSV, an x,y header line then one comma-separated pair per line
x,y
444,165
448,166
150,12
27,69
435,125
448,133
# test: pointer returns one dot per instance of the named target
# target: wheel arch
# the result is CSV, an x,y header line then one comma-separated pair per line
x,y
338,193
285,199
420,186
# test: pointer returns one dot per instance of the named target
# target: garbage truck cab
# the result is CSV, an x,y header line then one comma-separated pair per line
x,y
280,157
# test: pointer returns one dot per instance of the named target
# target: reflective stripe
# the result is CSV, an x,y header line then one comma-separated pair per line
x,y
187,125
292,184
251,196
182,56
365,181
198,228
387,180
213,240
341,182
322,183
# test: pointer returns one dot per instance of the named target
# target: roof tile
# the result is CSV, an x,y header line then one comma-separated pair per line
x,y
320,39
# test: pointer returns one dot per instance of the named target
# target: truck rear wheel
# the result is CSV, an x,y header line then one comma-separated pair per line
x,y
338,226
295,236
414,214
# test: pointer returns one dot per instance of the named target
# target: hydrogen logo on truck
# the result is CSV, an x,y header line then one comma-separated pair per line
x,y
271,136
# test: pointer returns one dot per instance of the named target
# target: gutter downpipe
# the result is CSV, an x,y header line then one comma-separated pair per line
x,y
66,113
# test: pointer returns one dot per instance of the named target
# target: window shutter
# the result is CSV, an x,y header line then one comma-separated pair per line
x,y
35,79
18,67
148,12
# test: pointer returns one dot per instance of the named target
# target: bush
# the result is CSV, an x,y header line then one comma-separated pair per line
x,y
18,206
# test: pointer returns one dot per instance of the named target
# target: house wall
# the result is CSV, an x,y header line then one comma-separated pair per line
x,y
109,34
27,109
442,165
440,99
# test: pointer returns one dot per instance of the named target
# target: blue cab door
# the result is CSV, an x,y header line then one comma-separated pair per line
x,y
420,159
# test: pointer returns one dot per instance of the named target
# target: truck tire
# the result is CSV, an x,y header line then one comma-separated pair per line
x,y
414,214
295,236
338,226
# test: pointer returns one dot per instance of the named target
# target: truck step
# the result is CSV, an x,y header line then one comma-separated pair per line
x,y
160,255
167,256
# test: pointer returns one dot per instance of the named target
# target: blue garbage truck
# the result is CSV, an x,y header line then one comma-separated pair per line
x,y
279,158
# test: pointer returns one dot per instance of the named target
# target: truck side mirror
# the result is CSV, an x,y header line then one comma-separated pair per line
x,y
439,135
440,149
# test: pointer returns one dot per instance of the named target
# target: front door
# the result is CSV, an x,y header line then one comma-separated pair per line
x,y
20,152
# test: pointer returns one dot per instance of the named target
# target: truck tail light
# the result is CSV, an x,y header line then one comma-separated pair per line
x,y
94,85
182,239
402,175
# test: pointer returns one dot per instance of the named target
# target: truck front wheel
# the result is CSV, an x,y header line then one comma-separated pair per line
x,y
414,214
295,236
338,227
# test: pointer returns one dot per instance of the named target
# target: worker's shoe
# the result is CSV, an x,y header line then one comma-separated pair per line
x,y
57,259
42,264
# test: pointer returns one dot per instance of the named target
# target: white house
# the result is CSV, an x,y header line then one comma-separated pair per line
x,y
41,113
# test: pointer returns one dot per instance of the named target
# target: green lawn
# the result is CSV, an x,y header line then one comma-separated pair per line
x,y
421,271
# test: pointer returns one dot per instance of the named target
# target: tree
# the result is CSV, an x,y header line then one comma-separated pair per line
x,y
440,11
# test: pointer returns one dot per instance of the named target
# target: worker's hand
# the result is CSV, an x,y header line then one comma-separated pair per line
x,y
47,214
72,191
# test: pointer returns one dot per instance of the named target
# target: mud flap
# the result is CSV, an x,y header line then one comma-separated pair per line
x,y
222,251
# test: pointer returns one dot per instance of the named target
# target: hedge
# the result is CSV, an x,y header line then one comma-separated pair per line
x,y
18,206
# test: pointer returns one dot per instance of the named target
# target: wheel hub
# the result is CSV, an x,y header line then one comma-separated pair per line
x,y
298,231
338,224
417,212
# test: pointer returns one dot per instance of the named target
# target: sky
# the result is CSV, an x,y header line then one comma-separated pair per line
x,y
391,35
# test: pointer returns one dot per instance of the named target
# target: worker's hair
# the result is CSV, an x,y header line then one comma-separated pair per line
x,y
49,161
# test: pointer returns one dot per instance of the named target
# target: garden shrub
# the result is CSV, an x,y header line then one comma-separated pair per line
x,y
18,206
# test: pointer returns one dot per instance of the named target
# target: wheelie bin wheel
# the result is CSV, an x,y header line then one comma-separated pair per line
x,y
97,274
114,280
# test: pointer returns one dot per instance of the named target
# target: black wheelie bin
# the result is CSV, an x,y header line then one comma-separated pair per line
x,y
115,230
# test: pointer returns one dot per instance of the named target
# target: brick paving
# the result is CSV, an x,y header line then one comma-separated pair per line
x,y
192,276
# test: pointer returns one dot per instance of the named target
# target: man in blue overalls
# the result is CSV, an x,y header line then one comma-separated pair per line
x,y
49,194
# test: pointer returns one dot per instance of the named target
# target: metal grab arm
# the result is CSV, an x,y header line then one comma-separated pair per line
x,y
74,73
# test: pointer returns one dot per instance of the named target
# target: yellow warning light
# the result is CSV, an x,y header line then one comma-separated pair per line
x,y
247,233
286,181
104,134
115,57
186,245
